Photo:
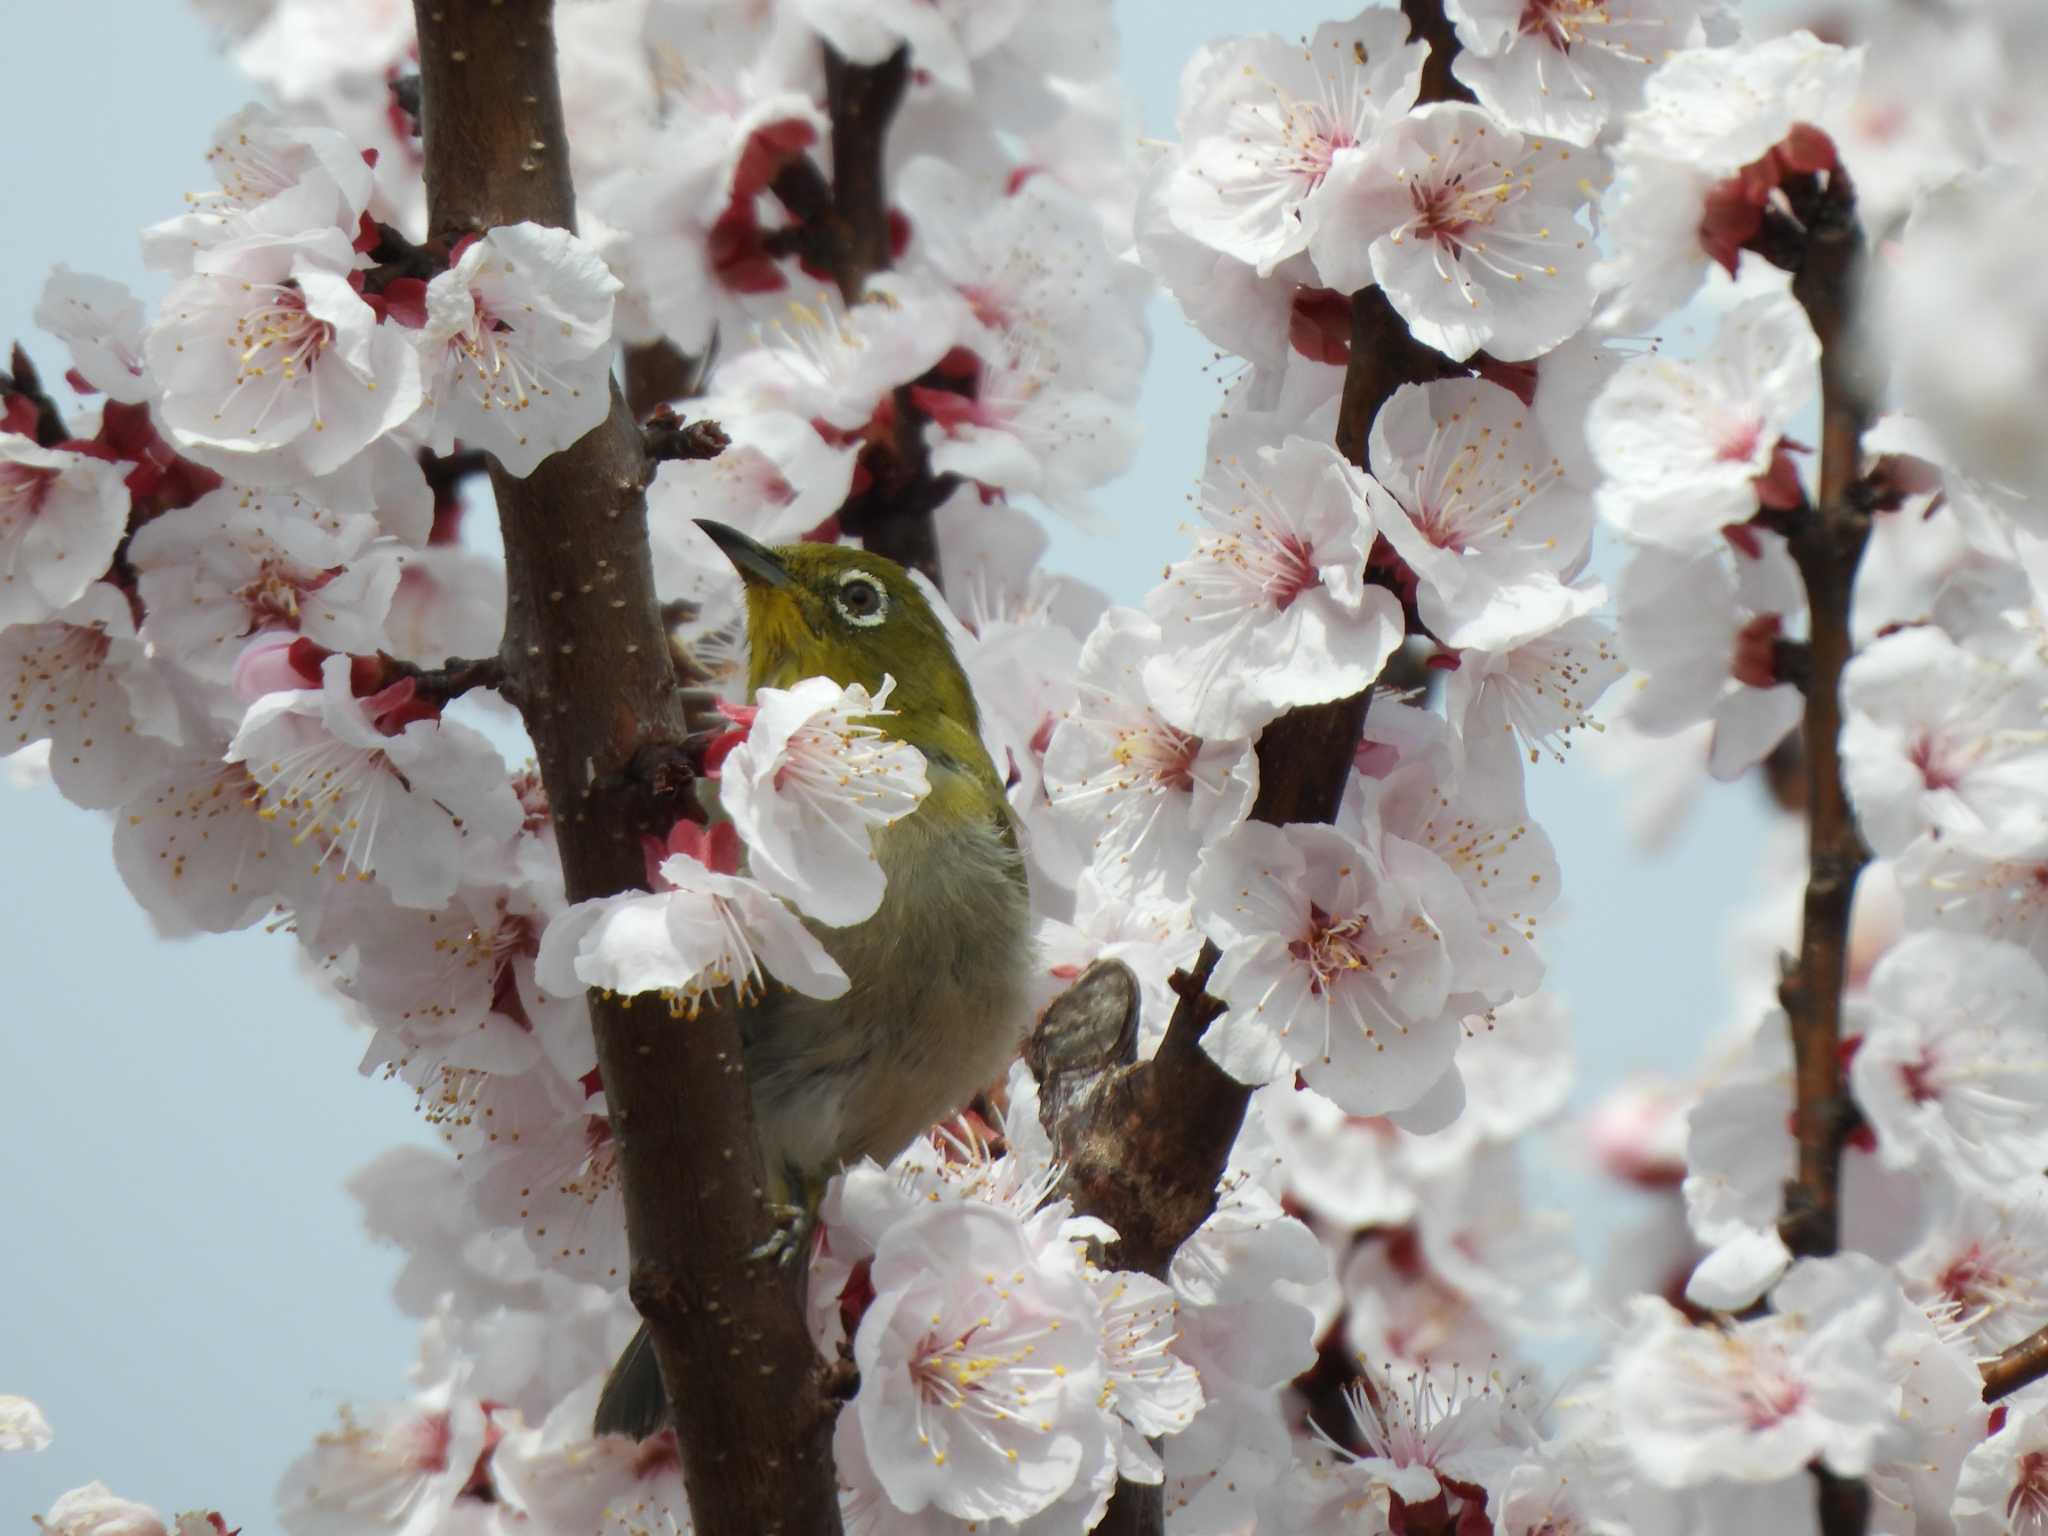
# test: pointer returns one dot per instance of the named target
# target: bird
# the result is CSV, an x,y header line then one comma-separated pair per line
x,y
939,976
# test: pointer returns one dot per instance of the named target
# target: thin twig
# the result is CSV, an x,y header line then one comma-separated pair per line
x,y
586,653
2020,1366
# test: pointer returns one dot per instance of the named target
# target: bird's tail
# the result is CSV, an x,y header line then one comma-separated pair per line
x,y
633,1402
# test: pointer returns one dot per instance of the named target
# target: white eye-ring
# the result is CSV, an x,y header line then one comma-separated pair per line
x,y
861,599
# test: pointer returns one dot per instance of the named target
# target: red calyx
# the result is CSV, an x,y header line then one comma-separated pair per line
x,y
1734,212
1319,326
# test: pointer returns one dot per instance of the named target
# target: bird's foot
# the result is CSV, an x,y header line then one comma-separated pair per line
x,y
785,1243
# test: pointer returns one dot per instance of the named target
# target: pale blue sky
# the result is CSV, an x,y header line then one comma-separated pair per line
x,y
188,1294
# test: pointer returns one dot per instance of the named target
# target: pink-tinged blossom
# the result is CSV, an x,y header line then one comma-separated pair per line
x,y
1956,308
815,778
1030,429
1701,630
1399,1312
1475,504
102,323
455,982
1331,966
61,516
1939,740
1246,1336
777,479
197,854
83,682
1423,1438
837,364
1035,269
1263,122
1981,1268
239,562
96,1510
22,1425
516,350
1945,885
547,1163
706,930
1537,692
562,1478
375,788
1270,610
275,369
1473,231
1953,1066
1150,1388
1687,447
981,1372
2004,1485
1707,114
396,1468
1566,68
278,180
1153,796
1755,1401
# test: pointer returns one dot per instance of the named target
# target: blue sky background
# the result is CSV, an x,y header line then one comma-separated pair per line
x,y
187,1292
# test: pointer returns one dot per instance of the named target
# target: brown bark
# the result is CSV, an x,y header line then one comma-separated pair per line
x,y
1822,245
2020,1366
587,659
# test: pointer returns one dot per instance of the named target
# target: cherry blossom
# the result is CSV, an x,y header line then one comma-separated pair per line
x,y
1951,1069
705,931
1472,230
1701,630
814,779
273,367
22,1425
278,180
980,1367
1271,609
1482,514
515,353
1938,740
61,515
375,787
2004,1487
1264,122
1688,447
239,562
1567,67
96,1510
1331,966
398,1467
102,323
1155,794
1756,1400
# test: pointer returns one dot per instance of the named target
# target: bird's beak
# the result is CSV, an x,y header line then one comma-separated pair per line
x,y
757,564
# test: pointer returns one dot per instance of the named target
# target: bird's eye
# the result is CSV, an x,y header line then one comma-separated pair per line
x,y
861,599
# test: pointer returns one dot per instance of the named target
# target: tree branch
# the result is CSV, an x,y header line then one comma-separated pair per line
x,y
585,650
2020,1366
1825,256
1146,1146
1827,545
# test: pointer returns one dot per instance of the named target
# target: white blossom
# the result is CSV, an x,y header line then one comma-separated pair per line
x,y
816,777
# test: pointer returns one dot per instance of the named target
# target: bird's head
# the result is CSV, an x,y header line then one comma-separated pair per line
x,y
822,610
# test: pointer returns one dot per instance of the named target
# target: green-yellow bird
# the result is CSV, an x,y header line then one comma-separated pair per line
x,y
939,975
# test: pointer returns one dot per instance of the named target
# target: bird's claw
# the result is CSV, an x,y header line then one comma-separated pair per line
x,y
783,1244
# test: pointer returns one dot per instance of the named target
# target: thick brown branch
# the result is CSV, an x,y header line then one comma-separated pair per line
x,y
1428,23
586,653
657,374
1827,545
2020,1366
